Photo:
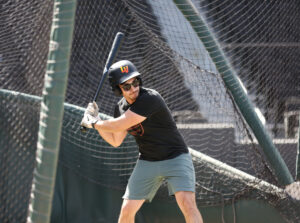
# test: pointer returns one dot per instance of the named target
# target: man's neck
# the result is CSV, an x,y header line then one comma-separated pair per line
x,y
129,101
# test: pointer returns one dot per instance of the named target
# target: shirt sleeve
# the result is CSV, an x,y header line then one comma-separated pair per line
x,y
146,105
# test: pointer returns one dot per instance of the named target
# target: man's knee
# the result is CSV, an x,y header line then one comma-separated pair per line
x,y
126,211
187,203
186,200
130,207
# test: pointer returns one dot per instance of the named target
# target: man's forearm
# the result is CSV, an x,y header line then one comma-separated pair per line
x,y
122,123
109,126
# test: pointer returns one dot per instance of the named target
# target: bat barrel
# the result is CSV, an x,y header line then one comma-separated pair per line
x,y
112,54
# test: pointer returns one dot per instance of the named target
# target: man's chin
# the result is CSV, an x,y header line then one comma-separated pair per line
x,y
135,94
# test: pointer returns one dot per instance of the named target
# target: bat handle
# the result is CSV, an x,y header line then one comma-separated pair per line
x,y
83,129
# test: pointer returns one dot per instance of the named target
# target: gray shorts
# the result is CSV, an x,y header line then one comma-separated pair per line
x,y
148,176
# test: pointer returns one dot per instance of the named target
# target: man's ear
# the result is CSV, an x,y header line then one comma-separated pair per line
x,y
118,91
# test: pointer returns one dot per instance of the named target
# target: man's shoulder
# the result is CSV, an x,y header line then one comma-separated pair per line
x,y
150,96
149,92
122,103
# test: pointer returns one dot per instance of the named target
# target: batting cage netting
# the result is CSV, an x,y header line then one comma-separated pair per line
x,y
259,38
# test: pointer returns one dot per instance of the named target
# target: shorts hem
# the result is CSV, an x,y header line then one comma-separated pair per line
x,y
181,189
137,198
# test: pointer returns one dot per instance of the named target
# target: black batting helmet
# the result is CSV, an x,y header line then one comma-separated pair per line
x,y
121,72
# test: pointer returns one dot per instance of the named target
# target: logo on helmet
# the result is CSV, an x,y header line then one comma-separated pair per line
x,y
124,69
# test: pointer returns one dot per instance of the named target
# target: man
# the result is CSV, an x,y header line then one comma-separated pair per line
x,y
164,155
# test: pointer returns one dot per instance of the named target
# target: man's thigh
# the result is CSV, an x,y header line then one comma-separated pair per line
x,y
180,174
143,182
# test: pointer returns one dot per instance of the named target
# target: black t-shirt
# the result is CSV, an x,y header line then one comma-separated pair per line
x,y
157,136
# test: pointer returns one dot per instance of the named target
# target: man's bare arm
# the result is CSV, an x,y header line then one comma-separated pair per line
x,y
122,123
113,138
114,130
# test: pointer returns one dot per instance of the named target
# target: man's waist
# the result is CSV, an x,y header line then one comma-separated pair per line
x,y
159,155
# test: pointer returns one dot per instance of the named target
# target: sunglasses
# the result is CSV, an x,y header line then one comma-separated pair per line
x,y
127,87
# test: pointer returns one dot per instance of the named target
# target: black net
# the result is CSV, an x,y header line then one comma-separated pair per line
x,y
260,40
24,42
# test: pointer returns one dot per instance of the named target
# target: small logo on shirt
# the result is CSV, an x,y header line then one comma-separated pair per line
x,y
124,69
136,130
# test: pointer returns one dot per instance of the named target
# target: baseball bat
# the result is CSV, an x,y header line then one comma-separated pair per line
x,y
112,54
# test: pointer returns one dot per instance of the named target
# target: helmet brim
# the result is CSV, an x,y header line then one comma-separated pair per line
x,y
127,77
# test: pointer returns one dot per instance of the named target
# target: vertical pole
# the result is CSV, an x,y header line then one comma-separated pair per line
x,y
232,83
51,111
298,154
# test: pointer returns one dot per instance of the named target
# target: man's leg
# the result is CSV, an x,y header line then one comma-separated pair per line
x,y
187,204
129,209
